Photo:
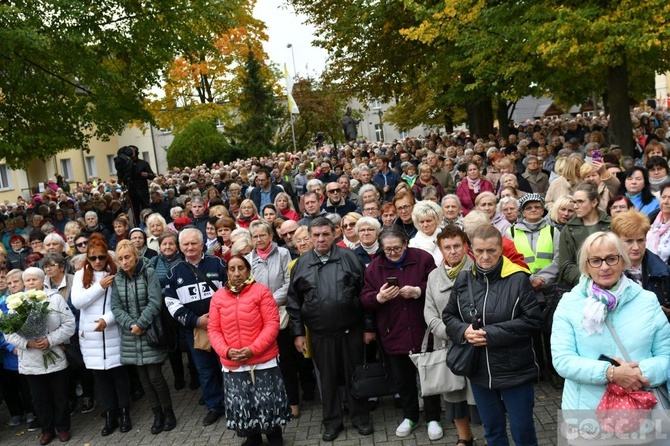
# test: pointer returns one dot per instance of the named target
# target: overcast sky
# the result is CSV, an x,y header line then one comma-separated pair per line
x,y
284,27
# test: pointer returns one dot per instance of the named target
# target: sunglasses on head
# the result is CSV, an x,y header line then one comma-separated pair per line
x,y
99,258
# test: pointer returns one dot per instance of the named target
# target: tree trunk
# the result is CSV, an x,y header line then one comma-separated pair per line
x,y
620,128
448,123
502,114
480,117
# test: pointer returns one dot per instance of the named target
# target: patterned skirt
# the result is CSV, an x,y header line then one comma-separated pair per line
x,y
258,406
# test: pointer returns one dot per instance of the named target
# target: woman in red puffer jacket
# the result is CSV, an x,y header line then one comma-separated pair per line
x,y
243,328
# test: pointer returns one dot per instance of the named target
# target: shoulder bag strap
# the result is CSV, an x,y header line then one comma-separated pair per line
x,y
202,276
617,340
473,310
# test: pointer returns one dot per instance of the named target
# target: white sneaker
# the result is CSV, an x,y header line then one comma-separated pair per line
x,y
405,428
435,431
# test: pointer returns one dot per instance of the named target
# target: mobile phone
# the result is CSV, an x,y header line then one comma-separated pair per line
x,y
392,281
219,240
608,359
476,325
596,155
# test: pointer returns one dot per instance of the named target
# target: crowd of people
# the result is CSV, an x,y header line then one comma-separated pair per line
x,y
277,276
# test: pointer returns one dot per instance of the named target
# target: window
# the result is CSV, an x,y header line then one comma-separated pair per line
x,y
5,177
145,156
66,169
110,164
376,105
379,133
91,169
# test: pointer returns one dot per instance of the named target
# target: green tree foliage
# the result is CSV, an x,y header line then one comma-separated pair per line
x,y
258,112
321,110
200,142
75,69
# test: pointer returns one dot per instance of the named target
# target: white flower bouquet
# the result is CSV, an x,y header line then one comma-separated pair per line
x,y
27,317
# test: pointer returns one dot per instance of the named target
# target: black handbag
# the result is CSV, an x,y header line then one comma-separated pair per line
x,y
160,333
73,354
373,379
463,357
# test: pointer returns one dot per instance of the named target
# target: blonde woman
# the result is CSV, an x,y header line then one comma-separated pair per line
x,y
607,184
566,183
70,232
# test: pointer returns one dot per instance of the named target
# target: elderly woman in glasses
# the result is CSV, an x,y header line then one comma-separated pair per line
x,y
368,230
427,217
605,302
349,235
395,288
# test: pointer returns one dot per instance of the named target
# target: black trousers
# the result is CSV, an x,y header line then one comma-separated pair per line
x,y
295,368
404,375
155,386
16,392
336,359
49,393
113,387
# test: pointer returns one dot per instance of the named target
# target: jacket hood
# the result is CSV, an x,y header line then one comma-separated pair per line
x,y
505,269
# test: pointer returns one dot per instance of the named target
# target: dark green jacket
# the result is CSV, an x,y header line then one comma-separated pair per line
x,y
141,289
572,237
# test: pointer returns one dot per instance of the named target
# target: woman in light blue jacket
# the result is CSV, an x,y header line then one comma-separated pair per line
x,y
580,333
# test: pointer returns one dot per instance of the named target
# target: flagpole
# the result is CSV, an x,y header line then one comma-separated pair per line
x,y
293,132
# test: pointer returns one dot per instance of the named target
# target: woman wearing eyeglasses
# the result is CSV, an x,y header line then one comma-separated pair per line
x,y
580,333
398,306
588,219
99,336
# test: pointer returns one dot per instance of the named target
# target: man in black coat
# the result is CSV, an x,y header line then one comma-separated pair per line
x,y
335,318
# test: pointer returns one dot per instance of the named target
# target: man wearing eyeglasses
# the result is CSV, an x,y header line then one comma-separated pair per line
x,y
323,296
335,202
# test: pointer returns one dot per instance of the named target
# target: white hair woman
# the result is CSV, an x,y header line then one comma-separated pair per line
x,y
451,211
427,217
368,230
48,384
156,225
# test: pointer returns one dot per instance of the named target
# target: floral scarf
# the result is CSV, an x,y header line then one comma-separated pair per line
x,y
600,302
238,289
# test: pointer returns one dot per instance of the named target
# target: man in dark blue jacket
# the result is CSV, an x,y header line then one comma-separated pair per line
x,y
189,290
386,178
266,192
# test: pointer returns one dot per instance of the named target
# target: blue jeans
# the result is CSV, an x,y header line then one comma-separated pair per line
x,y
519,402
209,372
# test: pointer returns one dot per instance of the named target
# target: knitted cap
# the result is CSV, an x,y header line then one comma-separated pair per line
x,y
528,198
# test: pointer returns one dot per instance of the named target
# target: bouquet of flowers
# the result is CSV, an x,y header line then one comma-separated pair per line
x,y
27,317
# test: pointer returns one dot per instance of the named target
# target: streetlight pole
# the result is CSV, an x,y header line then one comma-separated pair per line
x,y
290,112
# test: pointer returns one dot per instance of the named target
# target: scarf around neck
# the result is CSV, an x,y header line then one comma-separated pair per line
x,y
600,302
236,290
349,244
452,272
476,184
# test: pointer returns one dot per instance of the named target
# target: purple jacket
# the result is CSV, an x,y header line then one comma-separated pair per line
x,y
400,321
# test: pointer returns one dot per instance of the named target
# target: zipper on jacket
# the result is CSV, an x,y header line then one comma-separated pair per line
x,y
486,296
104,343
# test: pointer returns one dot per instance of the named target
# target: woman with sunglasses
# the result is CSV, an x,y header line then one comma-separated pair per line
x,y
349,235
99,336
80,243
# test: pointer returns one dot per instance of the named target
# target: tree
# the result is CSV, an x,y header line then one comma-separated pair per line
x,y
206,84
321,110
200,142
75,70
258,111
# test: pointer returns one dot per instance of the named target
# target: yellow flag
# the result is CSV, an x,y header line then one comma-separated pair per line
x,y
292,106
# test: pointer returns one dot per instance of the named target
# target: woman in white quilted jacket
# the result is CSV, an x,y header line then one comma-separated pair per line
x,y
99,336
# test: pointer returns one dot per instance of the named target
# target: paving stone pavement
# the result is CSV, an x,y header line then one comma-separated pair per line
x,y
306,430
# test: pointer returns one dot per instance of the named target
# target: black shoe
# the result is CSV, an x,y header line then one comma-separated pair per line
x,y
364,428
211,417
111,423
159,420
372,404
125,425
201,402
253,440
170,420
179,384
331,433
276,438
87,405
